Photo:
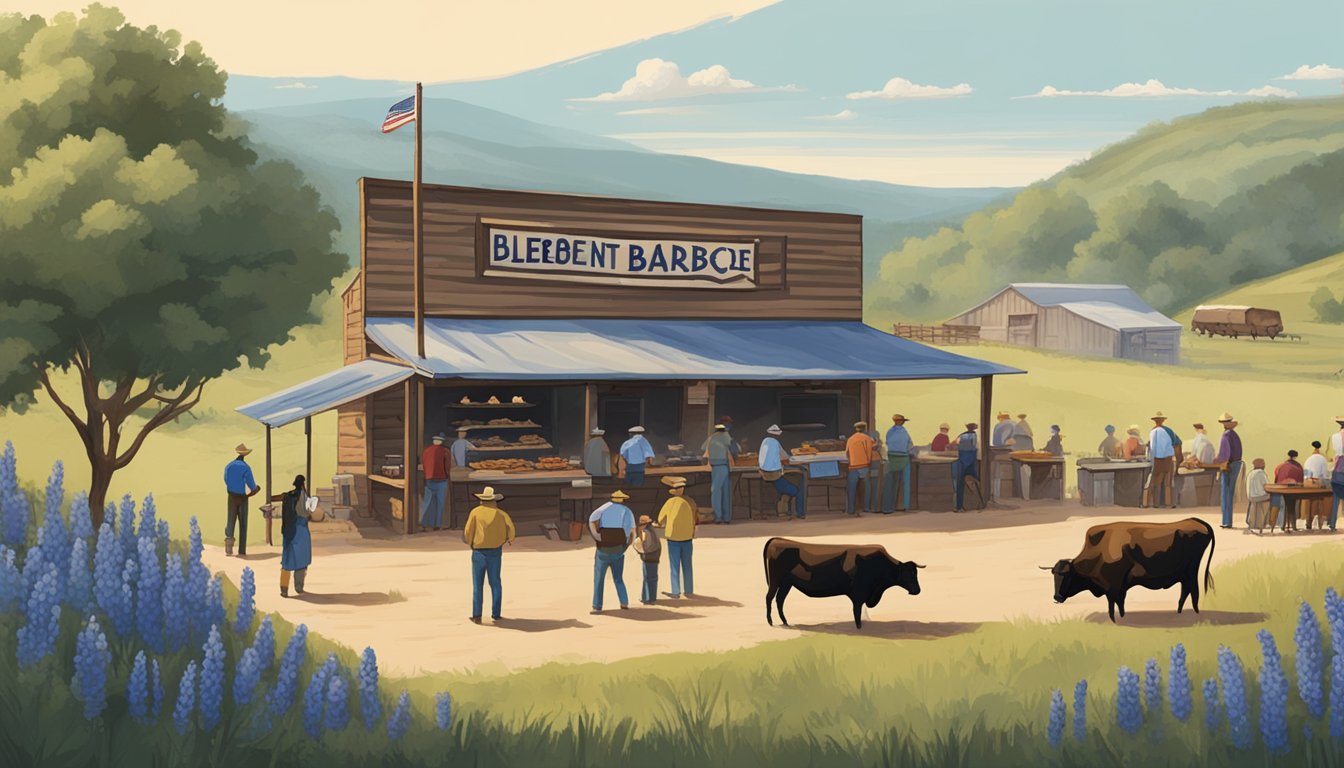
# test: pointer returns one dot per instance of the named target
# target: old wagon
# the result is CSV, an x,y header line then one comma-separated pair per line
x,y
1236,321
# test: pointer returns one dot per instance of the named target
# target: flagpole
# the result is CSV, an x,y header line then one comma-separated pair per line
x,y
417,227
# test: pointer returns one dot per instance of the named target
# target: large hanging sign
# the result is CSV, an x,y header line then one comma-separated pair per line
x,y
658,262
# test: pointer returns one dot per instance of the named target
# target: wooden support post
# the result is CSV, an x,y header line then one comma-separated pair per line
x,y
269,540
418,232
411,429
308,463
868,404
986,400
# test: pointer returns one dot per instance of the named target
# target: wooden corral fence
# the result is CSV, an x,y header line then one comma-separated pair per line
x,y
941,335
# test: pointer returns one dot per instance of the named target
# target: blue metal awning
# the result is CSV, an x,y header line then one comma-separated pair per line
x,y
615,350
326,392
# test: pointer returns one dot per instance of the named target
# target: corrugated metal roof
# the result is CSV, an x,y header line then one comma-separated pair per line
x,y
1234,307
614,350
326,392
1054,294
1120,318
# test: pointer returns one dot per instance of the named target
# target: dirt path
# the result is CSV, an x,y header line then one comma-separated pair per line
x,y
410,598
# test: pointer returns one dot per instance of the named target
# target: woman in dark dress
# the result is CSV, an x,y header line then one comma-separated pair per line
x,y
297,552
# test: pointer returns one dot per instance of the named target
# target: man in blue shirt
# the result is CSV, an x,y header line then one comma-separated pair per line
x,y
899,446
1162,446
613,528
240,485
460,447
635,453
771,462
966,465
719,449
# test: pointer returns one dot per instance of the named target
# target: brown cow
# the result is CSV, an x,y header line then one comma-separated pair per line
x,y
1117,556
861,573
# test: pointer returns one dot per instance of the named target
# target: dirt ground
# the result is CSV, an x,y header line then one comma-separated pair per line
x,y
410,597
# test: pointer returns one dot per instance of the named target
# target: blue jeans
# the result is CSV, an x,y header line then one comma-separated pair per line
x,y
898,471
431,507
852,487
616,562
634,475
1336,485
679,564
785,488
721,492
485,562
650,591
961,470
1227,483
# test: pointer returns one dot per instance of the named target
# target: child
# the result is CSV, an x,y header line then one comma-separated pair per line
x,y
650,549
1258,512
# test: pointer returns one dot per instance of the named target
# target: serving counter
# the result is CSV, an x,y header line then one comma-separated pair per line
x,y
1107,482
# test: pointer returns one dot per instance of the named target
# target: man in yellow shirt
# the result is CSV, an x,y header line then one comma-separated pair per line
x,y
678,519
487,530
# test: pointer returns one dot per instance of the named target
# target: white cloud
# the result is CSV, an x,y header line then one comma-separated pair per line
x,y
898,88
296,86
656,79
844,114
1317,72
661,111
1154,89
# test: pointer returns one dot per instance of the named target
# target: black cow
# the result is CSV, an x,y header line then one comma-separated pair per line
x,y
1117,556
861,573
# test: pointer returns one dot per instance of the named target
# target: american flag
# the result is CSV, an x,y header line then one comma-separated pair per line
x,y
401,113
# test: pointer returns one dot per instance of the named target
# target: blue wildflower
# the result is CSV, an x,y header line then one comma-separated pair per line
x,y
107,560
137,690
197,545
149,613
212,680
34,567
37,637
129,569
186,699
338,703
287,677
1152,688
156,691
1337,697
110,515
1055,729
1334,616
400,721
264,643
14,508
149,525
53,534
214,603
91,659
126,524
1179,689
11,581
81,521
369,706
443,710
79,582
247,602
315,697
1310,660
1213,712
1080,711
1129,714
164,535
1273,696
246,678
176,623
1233,681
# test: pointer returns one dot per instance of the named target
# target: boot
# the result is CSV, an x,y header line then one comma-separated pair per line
x,y
284,591
228,546
299,577
782,507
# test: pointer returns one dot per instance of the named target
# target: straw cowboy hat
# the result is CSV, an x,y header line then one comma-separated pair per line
x,y
774,429
1340,419
1159,416
439,438
636,429
597,432
972,425
674,481
242,449
1133,429
944,427
619,495
720,427
898,417
1004,415
1021,415
1225,418
489,494
645,519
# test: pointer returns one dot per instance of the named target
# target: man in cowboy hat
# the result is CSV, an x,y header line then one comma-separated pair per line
x,y
1055,445
434,463
719,449
1201,447
1337,471
966,464
859,453
771,462
1133,445
487,530
678,519
1163,445
460,447
1023,438
613,528
635,453
240,485
897,472
650,549
1229,458
941,440
597,455
1002,436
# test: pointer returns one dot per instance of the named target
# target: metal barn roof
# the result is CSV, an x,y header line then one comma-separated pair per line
x,y
1116,307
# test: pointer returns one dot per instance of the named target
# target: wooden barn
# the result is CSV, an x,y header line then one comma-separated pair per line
x,y
1094,320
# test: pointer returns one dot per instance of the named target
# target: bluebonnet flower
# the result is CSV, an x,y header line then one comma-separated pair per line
x,y
176,628
212,680
34,567
315,697
246,678
369,706
149,525
137,690
107,560
247,603
156,691
14,509
1234,698
149,613
214,603
400,721
197,546
1129,714
1080,711
164,535
1055,729
1152,688
443,710
186,699
81,522
1334,616
110,515
79,582
287,677
1273,696
1337,697
37,638
91,659
1178,684
1213,712
53,535
264,643
1310,661
338,703
11,581
129,569
126,524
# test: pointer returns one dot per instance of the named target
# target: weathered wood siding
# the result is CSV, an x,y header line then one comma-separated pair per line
x,y
352,446
809,265
1063,331
992,316
352,333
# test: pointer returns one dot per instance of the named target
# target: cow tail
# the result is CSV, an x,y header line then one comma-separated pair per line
x,y
765,557
1208,566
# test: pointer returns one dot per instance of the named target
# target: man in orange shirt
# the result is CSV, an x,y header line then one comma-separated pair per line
x,y
434,463
859,451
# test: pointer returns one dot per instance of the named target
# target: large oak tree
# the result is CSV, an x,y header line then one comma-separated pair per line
x,y
144,246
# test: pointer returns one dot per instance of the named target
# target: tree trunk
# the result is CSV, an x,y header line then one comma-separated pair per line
x,y
100,480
